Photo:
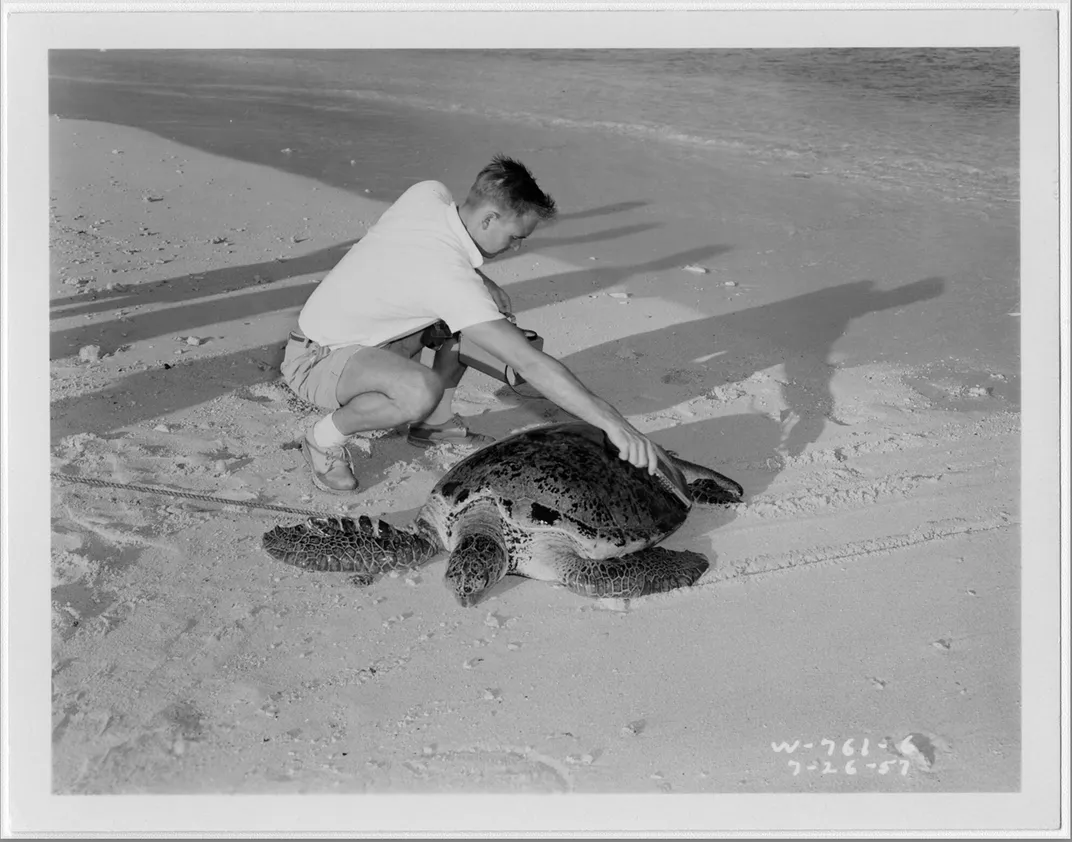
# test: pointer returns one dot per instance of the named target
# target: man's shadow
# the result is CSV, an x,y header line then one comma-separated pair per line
x,y
649,372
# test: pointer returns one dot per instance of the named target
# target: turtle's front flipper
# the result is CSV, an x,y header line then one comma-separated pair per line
x,y
649,571
707,486
347,545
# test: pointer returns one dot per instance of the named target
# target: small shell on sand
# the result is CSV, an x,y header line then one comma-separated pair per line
x,y
193,340
89,353
696,270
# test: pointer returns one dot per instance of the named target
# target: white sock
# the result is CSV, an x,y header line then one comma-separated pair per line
x,y
444,411
326,434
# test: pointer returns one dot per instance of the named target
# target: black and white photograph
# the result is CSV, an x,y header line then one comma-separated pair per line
x,y
597,410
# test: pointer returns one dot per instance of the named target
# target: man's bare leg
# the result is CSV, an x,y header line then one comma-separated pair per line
x,y
450,369
379,389
442,425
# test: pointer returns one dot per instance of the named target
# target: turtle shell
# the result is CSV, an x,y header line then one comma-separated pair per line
x,y
567,478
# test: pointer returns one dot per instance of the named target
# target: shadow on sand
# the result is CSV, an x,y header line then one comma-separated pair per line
x,y
669,366
201,284
535,292
158,391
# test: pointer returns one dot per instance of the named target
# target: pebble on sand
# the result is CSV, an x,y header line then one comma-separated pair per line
x,y
89,353
696,270
919,749
621,295
632,728
193,340
162,428
729,284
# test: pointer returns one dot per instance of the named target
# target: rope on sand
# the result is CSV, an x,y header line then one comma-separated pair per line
x,y
168,492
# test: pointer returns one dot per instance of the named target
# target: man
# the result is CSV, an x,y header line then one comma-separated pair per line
x,y
357,351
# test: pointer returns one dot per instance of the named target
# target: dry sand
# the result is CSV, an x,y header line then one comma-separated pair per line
x,y
866,591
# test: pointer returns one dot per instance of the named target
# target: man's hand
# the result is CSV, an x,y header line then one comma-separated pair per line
x,y
632,446
501,299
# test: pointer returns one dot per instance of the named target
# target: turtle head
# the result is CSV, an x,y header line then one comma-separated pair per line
x,y
477,563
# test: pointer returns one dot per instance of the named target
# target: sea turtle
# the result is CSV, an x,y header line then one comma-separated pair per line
x,y
554,503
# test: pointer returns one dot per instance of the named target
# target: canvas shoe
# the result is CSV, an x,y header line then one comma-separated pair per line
x,y
453,431
332,470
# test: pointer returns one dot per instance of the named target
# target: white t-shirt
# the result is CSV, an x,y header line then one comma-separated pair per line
x,y
413,267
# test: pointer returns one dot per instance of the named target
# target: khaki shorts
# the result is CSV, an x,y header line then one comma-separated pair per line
x,y
313,371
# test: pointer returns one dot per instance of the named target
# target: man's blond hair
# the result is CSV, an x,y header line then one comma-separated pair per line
x,y
509,185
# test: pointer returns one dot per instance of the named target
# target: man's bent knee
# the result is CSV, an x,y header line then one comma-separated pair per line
x,y
418,393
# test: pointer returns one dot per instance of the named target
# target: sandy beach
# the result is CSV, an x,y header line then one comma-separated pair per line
x,y
849,354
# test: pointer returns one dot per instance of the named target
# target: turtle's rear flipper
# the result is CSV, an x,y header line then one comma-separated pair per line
x,y
347,545
707,486
649,571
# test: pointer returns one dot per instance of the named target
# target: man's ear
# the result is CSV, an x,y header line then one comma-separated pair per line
x,y
488,217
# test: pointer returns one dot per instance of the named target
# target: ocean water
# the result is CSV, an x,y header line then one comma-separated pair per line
x,y
943,122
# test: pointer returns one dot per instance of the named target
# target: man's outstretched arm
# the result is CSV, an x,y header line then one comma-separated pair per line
x,y
557,383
